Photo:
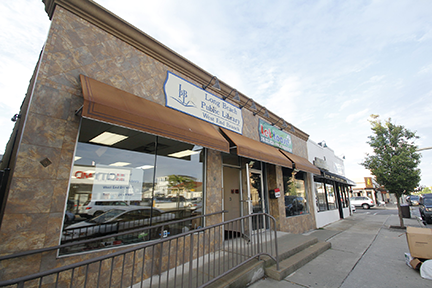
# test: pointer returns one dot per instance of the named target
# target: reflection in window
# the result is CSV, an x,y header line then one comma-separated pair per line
x,y
331,197
294,192
321,197
114,168
326,198
344,195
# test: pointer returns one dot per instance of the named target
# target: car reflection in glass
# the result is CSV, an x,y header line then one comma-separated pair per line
x,y
426,208
118,220
294,205
413,200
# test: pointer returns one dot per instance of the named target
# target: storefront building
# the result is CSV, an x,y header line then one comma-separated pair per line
x,y
331,187
368,187
114,118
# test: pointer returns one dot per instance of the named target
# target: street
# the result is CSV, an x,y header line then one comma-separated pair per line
x,y
390,210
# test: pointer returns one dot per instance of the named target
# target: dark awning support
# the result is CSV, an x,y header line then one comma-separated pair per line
x,y
335,177
79,110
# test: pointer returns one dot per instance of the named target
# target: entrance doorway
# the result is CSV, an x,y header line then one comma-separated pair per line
x,y
232,199
244,197
256,194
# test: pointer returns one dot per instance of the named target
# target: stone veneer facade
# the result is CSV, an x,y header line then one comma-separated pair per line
x,y
35,206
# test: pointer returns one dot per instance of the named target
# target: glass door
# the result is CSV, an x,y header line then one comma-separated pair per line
x,y
256,197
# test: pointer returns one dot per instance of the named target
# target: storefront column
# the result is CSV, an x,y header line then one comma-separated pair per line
x,y
214,190
274,180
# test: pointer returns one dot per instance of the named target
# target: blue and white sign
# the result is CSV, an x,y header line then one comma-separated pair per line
x,y
117,183
188,98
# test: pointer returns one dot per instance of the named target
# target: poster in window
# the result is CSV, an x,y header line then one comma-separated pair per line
x,y
117,183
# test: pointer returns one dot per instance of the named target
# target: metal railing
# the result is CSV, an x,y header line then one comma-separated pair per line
x,y
69,244
194,258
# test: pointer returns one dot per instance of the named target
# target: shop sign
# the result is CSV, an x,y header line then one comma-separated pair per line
x,y
335,178
274,137
188,98
321,163
368,182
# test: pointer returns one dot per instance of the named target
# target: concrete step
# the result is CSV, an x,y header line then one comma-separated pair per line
x,y
294,251
292,244
241,277
294,262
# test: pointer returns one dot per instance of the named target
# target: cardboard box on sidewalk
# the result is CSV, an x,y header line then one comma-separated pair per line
x,y
416,263
419,242
412,262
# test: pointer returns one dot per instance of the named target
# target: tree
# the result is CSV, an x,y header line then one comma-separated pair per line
x,y
181,181
426,190
394,161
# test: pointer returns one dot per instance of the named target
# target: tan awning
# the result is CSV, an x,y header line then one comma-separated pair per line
x,y
108,104
301,163
250,148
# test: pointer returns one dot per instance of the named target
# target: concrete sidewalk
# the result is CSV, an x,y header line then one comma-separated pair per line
x,y
365,252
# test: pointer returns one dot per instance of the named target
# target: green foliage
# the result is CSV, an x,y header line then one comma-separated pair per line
x,y
181,181
291,186
426,190
394,161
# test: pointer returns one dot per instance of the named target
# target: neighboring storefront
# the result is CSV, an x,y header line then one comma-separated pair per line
x,y
114,118
368,187
331,187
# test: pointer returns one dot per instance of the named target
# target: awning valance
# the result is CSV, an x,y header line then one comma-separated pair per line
x,y
335,177
108,104
301,163
250,148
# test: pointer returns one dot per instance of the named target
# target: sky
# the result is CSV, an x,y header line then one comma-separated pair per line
x,y
325,66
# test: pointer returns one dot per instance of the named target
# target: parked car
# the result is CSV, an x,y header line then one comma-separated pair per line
x,y
93,208
426,207
353,208
118,220
69,217
413,200
294,205
195,203
362,201
170,203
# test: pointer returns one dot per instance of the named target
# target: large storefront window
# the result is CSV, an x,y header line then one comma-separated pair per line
x,y
331,196
124,180
321,197
294,192
344,196
326,195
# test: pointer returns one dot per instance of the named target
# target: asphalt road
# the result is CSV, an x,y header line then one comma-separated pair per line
x,y
389,211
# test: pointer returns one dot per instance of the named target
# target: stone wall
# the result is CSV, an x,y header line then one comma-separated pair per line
x,y
34,211
33,215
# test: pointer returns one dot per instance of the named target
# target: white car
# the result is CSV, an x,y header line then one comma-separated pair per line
x,y
93,208
115,221
362,201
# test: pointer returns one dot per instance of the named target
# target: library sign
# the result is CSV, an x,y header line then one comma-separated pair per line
x,y
188,98
274,137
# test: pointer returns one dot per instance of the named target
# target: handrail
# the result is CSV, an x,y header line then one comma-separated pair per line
x,y
41,250
237,250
